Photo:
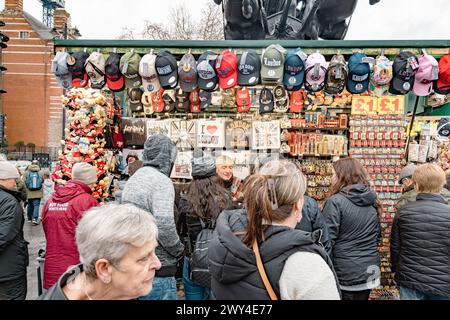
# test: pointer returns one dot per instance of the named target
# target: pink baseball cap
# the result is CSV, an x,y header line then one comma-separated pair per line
x,y
315,69
427,72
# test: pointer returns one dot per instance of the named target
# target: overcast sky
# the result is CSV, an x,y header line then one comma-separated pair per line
x,y
389,19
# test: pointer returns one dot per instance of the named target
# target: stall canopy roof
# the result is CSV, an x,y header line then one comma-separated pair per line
x,y
370,47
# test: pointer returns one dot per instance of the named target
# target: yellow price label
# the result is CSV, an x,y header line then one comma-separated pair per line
x,y
364,105
391,105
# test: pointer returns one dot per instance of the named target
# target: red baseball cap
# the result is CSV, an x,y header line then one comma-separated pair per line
x,y
243,100
157,101
194,97
226,67
298,100
443,83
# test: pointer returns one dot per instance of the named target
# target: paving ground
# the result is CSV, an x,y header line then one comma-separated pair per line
x,y
35,236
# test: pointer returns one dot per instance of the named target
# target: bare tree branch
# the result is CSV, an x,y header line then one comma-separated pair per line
x,y
182,26
155,31
126,34
211,23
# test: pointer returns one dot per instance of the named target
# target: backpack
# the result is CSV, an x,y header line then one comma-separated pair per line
x,y
198,263
34,181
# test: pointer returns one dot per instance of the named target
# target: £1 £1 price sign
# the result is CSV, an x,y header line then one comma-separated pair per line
x,y
394,105
362,105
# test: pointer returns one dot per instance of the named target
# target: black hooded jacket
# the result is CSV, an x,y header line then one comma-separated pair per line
x,y
312,220
233,265
354,231
420,245
13,247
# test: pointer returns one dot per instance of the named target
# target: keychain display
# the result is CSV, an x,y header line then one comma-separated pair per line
x,y
378,142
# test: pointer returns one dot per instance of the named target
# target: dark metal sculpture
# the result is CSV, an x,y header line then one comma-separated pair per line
x,y
287,19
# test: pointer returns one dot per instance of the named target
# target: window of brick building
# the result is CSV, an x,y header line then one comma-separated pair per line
x,y
24,35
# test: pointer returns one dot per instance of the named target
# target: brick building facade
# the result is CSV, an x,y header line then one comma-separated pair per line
x,y
32,103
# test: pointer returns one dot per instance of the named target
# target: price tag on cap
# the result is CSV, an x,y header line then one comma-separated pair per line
x,y
338,74
369,60
125,67
434,72
302,55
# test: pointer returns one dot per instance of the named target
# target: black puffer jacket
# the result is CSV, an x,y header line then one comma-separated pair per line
x,y
233,267
13,247
354,230
420,245
312,220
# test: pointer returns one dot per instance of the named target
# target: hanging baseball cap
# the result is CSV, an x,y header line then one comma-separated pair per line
x,y
187,73
226,67
442,85
61,70
205,99
135,99
249,68
147,102
147,71
336,75
194,98
243,99
168,97
405,68
266,101
281,99
167,69
182,100
294,69
114,78
75,64
316,69
207,77
428,72
95,68
216,98
272,64
381,76
298,100
157,100
358,73
229,98
129,66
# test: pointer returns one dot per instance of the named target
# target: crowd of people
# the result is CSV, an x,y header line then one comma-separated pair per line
x,y
262,238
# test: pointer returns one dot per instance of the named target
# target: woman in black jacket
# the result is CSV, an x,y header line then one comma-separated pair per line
x,y
351,213
200,207
420,240
13,247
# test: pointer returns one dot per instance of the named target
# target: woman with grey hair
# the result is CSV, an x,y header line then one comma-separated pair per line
x,y
117,253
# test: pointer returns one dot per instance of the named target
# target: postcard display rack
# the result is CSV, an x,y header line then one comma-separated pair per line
x,y
315,133
378,139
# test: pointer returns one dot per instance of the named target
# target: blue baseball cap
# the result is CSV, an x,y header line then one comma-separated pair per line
x,y
358,73
294,69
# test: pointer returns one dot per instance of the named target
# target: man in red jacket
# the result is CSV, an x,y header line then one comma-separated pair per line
x,y
60,218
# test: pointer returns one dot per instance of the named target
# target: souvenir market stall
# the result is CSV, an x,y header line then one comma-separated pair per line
x,y
309,101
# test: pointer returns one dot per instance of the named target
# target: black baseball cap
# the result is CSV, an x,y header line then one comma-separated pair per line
x,y
249,68
182,101
135,99
167,69
207,76
114,78
205,99
266,101
404,68
75,64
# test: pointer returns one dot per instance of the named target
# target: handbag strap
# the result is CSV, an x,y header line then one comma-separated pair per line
x,y
262,272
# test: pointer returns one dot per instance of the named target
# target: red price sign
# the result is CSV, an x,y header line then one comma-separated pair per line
x,y
364,105
391,105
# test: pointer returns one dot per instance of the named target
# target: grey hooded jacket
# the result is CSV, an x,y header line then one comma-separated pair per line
x,y
151,189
